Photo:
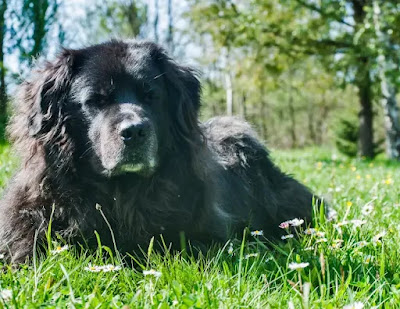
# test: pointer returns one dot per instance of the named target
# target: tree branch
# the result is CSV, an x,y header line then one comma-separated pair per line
x,y
323,13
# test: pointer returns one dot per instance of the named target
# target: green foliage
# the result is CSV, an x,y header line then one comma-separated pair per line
x,y
262,40
123,18
349,261
115,18
35,18
347,131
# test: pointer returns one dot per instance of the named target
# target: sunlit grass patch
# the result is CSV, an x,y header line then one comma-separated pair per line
x,y
352,260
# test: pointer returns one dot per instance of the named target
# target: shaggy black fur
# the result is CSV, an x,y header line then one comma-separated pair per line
x,y
116,124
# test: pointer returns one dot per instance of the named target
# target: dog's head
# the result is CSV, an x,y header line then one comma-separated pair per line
x,y
123,104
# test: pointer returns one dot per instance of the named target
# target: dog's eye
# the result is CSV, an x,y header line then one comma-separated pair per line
x,y
150,95
97,101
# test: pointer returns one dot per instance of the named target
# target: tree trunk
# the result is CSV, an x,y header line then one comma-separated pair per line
x,y
170,28
366,137
363,83
292,117
228,85
243,110
155,22
388,92
263,113
39,9
311,125
229,93
391,120
3,90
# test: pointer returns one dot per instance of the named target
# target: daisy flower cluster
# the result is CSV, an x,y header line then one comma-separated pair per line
x,y
294,223
290,223
104,268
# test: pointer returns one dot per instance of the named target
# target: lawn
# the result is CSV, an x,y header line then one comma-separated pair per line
x,y
354,259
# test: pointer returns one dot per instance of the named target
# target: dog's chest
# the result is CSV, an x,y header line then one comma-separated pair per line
x,y
137,212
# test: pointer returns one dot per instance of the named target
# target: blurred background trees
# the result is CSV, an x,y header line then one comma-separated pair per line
x,y
303,72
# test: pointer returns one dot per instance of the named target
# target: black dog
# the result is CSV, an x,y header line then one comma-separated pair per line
x,y
116,125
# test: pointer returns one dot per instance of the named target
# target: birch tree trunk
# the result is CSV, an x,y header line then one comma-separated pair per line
x,y
3,90
229,93
391,118
155,22
388,92
228,86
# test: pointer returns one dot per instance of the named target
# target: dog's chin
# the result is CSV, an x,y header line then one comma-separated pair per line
x,y
144,169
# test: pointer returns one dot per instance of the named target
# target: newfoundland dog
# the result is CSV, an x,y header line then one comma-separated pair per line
x,y
116,125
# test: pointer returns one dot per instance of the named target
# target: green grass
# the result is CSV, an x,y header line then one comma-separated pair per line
x,y
362,269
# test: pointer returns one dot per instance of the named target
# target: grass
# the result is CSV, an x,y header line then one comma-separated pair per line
x,y
347,263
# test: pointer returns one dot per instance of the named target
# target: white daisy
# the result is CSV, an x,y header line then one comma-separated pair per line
x,y
257,233
296,222
230,249
294,266
357,223
109,267
356,305
361,244
251,255
377,238
152,272
337,243
367,209
310,231
6,294
59,249
287,236
284,225
368,259
94,268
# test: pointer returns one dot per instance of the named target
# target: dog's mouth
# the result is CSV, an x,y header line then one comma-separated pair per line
x,y
144,168
141,161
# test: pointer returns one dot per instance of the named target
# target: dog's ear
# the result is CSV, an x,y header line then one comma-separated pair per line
x,y
46,92
184,93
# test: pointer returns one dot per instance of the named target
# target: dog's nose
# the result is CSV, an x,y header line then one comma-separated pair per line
x,y
131,132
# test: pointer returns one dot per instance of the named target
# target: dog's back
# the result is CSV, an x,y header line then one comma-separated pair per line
x,y
258,193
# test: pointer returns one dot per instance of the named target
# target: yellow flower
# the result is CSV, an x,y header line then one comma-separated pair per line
x,y
319,165
353,168
388,181
349,203
358,177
